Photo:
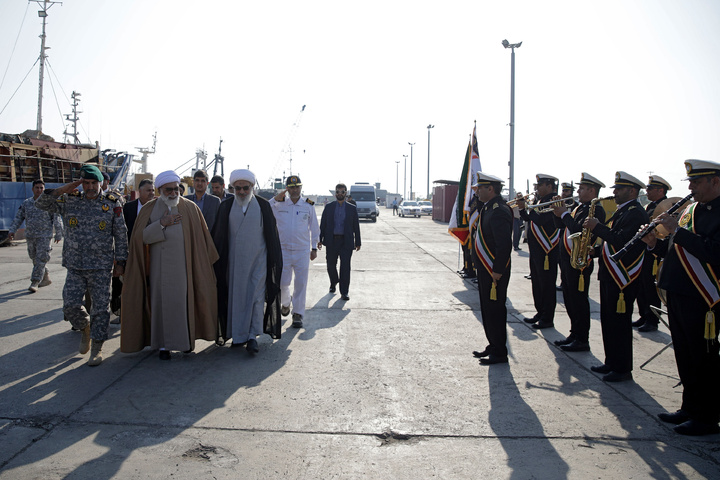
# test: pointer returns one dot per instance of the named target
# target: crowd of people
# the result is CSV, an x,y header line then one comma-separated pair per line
x,y
631,260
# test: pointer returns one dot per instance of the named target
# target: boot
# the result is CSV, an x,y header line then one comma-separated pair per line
x,y
96,354
85,340
33,286
45,280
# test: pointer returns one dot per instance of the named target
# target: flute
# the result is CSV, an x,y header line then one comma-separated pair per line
x,y
648,228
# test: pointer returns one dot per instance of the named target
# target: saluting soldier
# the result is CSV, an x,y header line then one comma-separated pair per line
x,y
38,233
492,246
95,237
576,282
619,282
299,233
656,189
690,278
543,241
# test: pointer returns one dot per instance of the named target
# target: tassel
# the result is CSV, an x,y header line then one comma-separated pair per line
x,y
655,267
547,263
581,283
621,303
493,292
710,325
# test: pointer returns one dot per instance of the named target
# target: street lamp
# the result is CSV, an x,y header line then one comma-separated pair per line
x,y
405,178
428,177
397,169
512,46
411,165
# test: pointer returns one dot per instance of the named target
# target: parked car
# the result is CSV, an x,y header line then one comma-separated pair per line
x,y
409,207
425,207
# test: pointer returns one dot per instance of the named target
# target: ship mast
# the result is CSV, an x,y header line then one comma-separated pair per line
x,y
45,5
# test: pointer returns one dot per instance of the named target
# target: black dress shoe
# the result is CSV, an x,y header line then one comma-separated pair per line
x,y
617,377
648,327
332,288
482,354
601,368
576,346
676,418
528,277
565,341
345,297
530,320
164,355
493,359
638,323
696,428
252,346
558,288
541,325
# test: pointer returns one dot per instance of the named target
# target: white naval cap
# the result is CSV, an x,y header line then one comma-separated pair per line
x,y
568,186
658,181
624,179
696,168
543,177
486,179
587,179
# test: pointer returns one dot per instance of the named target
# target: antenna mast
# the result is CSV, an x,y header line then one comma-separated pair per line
x,y
45,5
73,120
145,152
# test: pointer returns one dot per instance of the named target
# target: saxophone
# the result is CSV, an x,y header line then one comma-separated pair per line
x,y
581,241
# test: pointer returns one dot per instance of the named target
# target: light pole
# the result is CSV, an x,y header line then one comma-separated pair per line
x,y
405,178
512,46
397,169
411,165
428,177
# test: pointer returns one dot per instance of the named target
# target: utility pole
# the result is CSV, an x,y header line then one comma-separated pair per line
x,y
512,46
428,177
411,169
397,169
405,179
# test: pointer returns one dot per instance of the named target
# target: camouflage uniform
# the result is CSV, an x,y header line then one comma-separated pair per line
x,y
38,233
95,236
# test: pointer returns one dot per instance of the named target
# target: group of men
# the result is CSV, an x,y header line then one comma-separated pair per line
x,y
194,267
628,269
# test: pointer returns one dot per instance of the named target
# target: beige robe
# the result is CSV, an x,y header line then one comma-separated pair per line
x,y
159,308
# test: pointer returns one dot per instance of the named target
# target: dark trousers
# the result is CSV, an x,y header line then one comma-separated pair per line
x,y
468,259
345,254
617,327
697,359
494,312
647,295
577,304
516,232
543,283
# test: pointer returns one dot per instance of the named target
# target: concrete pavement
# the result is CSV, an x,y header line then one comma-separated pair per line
x,y
381,386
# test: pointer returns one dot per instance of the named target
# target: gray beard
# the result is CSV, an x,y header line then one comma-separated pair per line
x,y
170,203
243,202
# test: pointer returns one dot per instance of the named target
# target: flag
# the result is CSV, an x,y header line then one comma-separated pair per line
x,y
459,226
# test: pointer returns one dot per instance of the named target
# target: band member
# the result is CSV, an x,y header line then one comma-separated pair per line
x,y
619,280
493,245
690,278
543,241
567,192
576,282
656,189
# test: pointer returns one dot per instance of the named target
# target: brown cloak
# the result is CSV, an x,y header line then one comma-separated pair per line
x,y
200,254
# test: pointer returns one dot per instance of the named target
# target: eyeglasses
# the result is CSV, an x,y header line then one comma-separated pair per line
x,y
171,189
245,188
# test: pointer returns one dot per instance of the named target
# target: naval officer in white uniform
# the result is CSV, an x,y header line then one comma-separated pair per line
x,y
299,235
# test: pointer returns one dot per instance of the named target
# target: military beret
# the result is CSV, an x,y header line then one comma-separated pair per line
x,y
91,172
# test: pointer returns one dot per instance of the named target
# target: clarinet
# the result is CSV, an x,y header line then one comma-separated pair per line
x,y
648,228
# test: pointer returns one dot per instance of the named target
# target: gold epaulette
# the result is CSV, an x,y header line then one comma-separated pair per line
x,y
309,201
75,193
112,197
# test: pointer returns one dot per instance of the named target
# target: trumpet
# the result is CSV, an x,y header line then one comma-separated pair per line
x,y
513,203
550,206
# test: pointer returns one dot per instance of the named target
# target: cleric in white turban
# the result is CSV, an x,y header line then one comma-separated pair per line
x,y
250,265
166,177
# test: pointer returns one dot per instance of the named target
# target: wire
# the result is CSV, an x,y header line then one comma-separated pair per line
x,y
18,88
2,82
52,86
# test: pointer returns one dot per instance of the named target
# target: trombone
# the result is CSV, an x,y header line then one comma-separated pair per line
x,y
550,206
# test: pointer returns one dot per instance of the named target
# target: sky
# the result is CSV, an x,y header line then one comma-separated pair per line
x,y
600,86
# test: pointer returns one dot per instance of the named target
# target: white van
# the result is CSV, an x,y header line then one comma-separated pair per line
x,y
365,200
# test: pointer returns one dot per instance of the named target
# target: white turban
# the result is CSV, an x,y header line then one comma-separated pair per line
x,y
242,174
166,177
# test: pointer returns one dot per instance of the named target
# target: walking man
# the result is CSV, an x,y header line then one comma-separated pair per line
x,y
299,235
340,233
38,233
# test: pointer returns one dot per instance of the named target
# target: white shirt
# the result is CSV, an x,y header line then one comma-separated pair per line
x,y
296,223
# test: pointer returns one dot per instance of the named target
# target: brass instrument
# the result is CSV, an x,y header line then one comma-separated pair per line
x,y
513,203
581,240
550,206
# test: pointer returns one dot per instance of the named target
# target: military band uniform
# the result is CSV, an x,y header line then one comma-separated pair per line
x,y
647,294
470,260
617,326
576,299
95,236
39,226
543,267
495,229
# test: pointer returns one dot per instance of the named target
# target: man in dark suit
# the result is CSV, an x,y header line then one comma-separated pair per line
x,y
340,233
207,202
217,187
619,280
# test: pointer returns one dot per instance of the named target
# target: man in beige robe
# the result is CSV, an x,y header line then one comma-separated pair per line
x,y
169,296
